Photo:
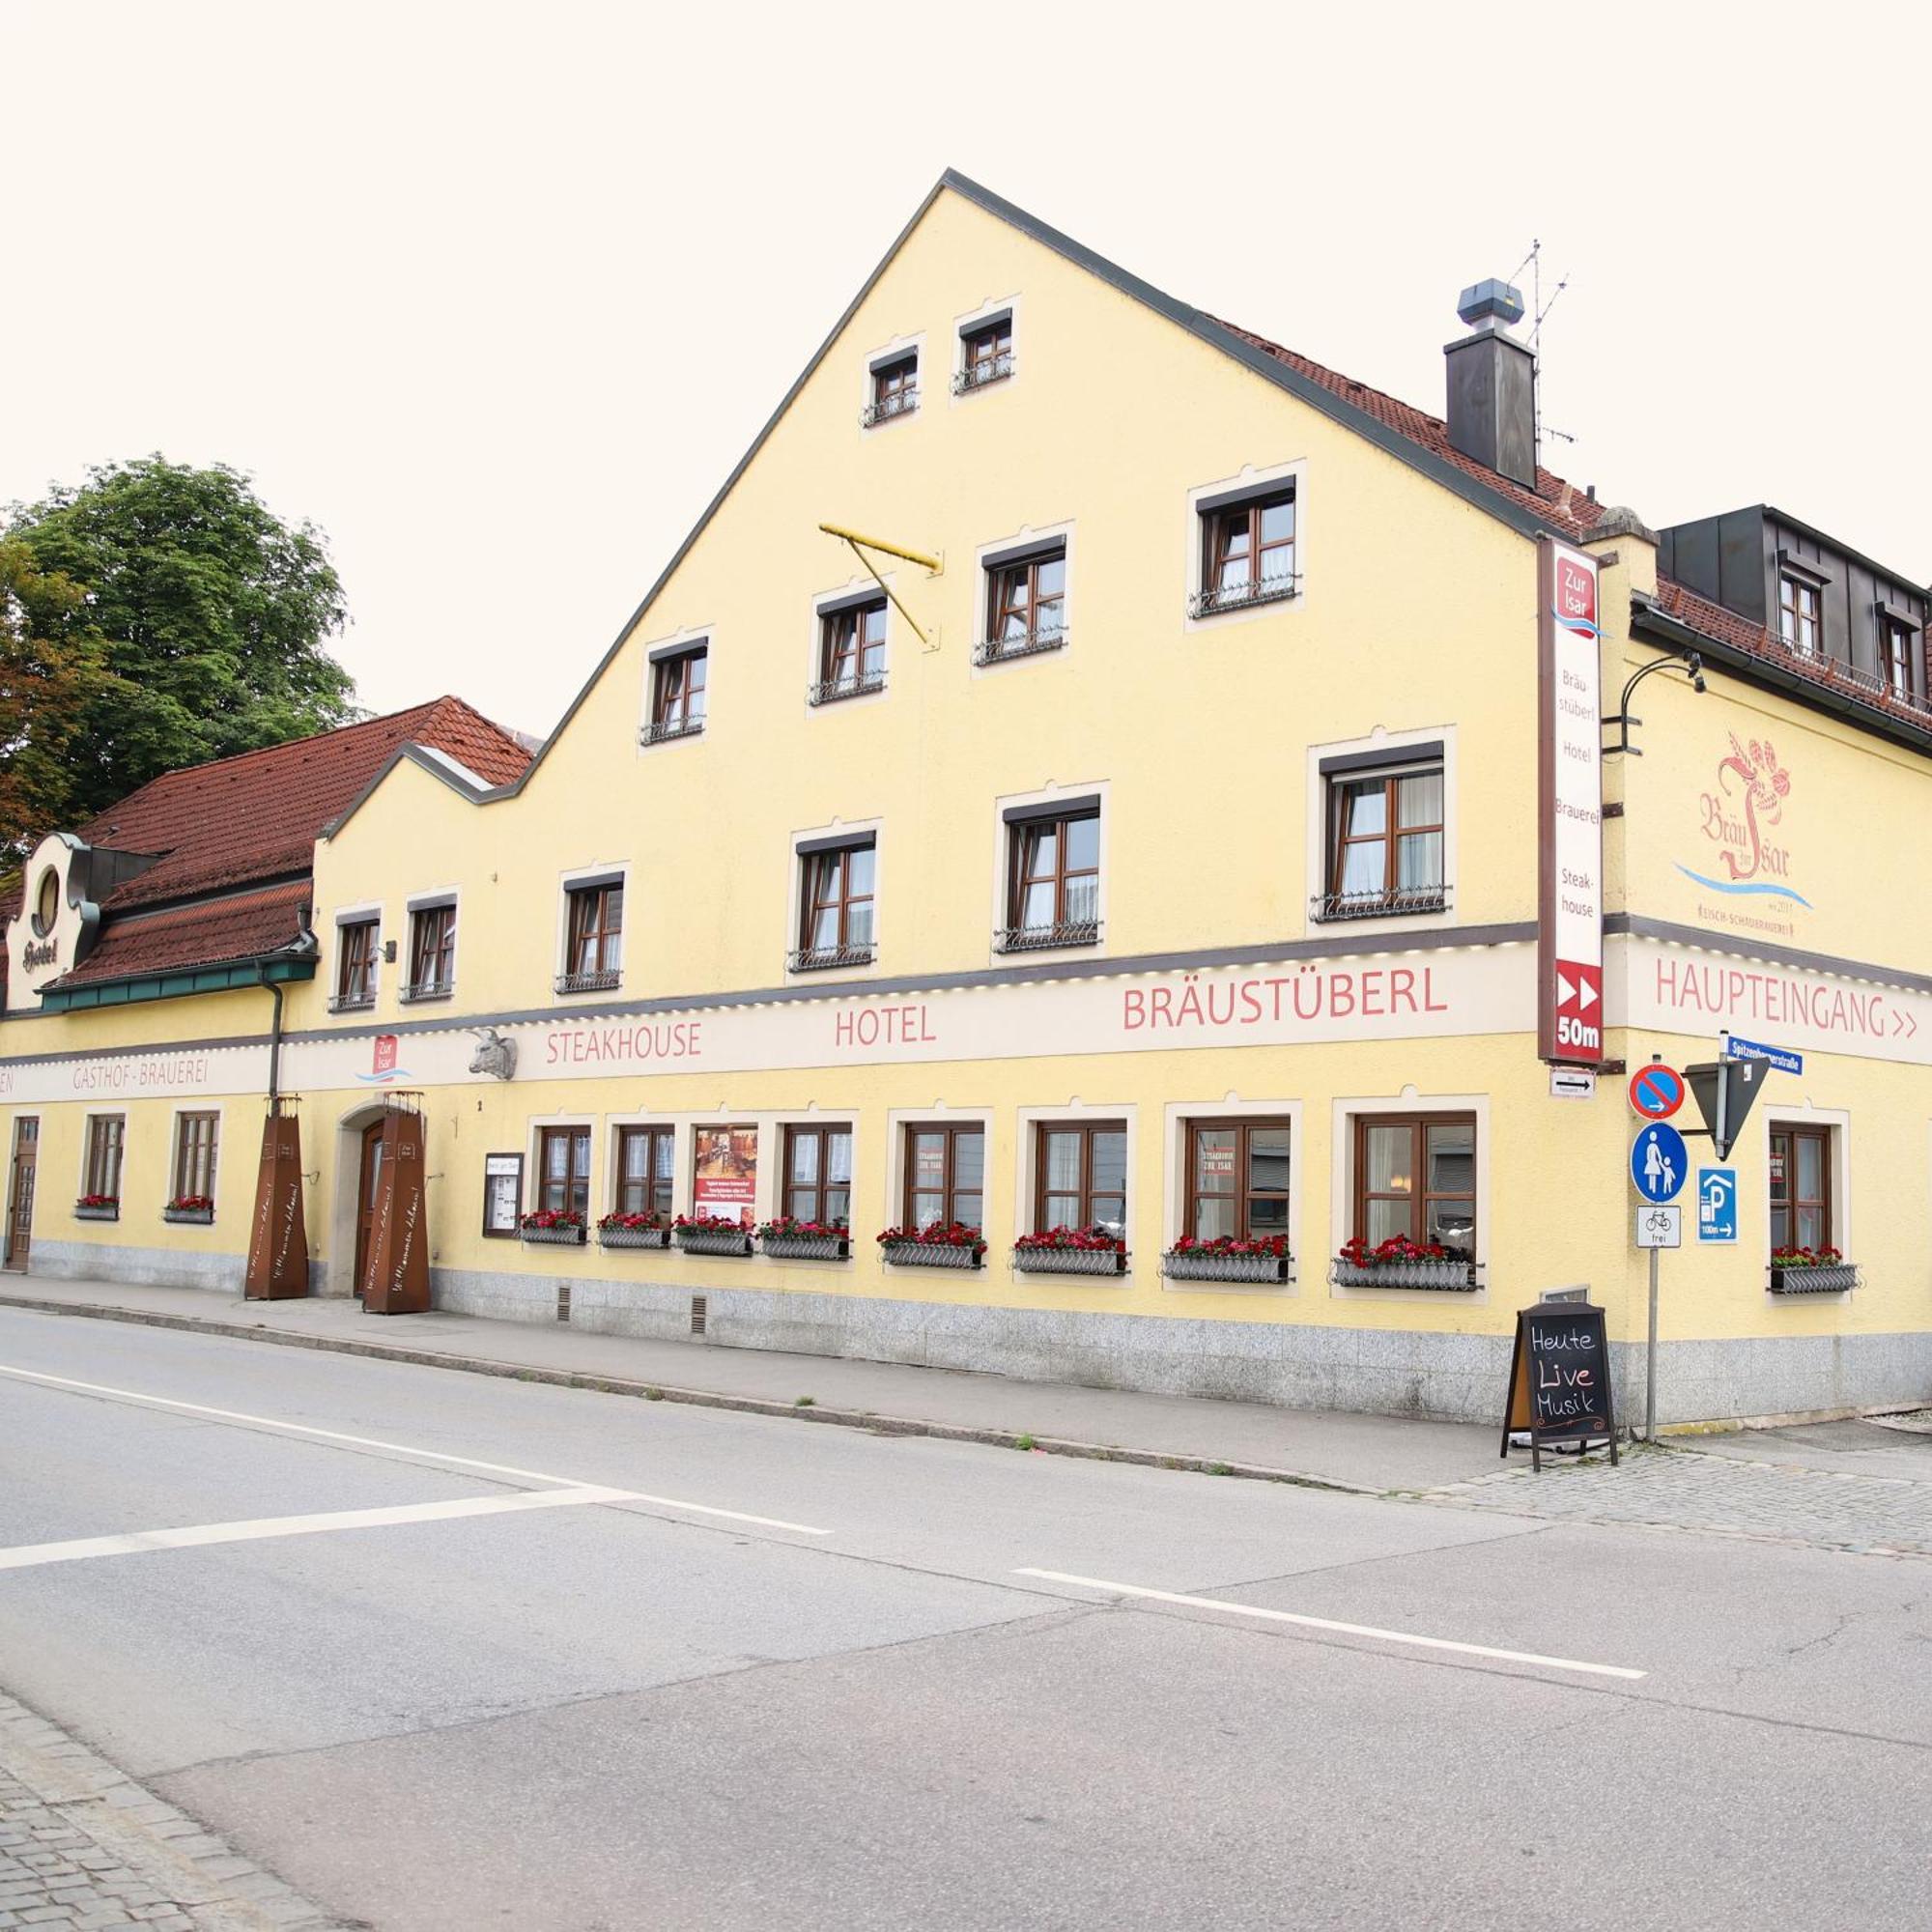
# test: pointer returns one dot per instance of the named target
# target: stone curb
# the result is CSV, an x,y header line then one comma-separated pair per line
x,y
745,1405
159,1849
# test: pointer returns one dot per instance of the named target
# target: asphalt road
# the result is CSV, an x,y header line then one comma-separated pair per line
x,y
452,1652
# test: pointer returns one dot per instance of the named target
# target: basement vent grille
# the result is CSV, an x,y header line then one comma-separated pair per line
x,y
563,1301
697,1311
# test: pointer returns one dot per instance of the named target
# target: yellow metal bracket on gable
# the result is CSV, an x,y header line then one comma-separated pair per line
x,y
860,545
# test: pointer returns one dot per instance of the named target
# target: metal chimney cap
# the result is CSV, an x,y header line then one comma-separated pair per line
x,y
1483,301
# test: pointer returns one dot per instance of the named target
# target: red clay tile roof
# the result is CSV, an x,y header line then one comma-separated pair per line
x,y
1569,511
1727,627
257,815
212,933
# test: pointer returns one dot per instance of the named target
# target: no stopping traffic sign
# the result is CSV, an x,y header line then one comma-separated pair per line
x,y
1656,1091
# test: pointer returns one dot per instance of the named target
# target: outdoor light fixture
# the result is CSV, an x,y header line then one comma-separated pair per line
x,y
1692,665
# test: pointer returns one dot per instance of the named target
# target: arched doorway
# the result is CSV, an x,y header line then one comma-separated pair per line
x,y
370,1175
351,1189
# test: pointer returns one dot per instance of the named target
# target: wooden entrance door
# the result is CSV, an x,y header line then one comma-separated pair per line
x,y
21,1192
365,1199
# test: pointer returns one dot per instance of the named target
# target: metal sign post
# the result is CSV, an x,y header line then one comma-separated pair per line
x,y
1658,1167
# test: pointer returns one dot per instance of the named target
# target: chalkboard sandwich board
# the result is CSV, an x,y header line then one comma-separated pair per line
x,y
1559,1388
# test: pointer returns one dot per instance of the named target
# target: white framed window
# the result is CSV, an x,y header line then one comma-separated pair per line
x,y
1414,1165
1381,819
590,928
939,1163
1023,596
645,1160
851,639
894,376
1077,1165
431,926
1247,546
355,971
985,347
1234,1167
832,911
561,1172
1050,871
1808,1192
680,674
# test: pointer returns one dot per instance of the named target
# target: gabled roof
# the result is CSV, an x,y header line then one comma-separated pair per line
x,y
241,925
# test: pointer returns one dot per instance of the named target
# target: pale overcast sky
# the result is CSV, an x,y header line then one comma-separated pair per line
x,y
498,295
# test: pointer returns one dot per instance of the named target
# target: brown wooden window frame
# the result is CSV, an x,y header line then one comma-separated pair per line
x,y
432,953
985,352
572,1186
359,954
648,1193
1895,639
1418,1195
593,958
1392,897
952,1195
1220,525
1789,1201
196,1154
1243,1126
106,1147
833,864
1013,590
1801,607
846,647
679,685
820,1189
1044,1219
1024,841
894,388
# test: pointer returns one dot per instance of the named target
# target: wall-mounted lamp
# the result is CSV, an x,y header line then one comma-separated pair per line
x,y
1692,665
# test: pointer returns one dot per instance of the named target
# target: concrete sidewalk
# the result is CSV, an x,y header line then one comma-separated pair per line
x,y
1369,1453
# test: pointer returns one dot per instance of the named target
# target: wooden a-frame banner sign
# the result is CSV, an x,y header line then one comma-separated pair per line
x,y
1559,1387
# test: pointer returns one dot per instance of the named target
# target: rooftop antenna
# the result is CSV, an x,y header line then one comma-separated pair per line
x,y
1539,309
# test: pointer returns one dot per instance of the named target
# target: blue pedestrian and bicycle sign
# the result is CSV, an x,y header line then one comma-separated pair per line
x,y
1657,1092
1658,1163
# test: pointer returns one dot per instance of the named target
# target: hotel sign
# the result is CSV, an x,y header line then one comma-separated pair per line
x,y
1570,797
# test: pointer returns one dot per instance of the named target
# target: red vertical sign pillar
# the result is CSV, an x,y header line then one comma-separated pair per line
x,y
397,1278
278,1237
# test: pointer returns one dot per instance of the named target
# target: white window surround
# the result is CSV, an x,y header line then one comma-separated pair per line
x,y
859,589
428,902
1315,816
964,325
1342,1188
858,831
688,639
1024,542
1254,481
895,351
767,1122
1179,1115
680,1162
533,1159
1003,849
1028,1120
1839,1120
616,870
938,1115
813,1115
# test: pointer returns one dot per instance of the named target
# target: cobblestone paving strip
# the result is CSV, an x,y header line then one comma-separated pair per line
x,y
1720,1496
83,1847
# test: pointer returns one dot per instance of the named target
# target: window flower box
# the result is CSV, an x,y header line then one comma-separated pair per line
x,y
633,1230
97,1207
552,1227
1400,1262
949,1244
789,1240
194,1210
1071,1251
1226,1258
1811,1271
711,1235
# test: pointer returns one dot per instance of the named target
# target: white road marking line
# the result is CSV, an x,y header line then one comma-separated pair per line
x,y
31,1556
1329,1624
565,1483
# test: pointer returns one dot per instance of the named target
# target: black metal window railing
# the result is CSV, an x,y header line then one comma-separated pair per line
x,y
998,650
672,727
1040,938
427,990
1245,596
830,690
978,375
605,979
352,1003
1330,907
886,407
821,958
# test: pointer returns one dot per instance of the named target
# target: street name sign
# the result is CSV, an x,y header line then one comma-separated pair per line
x,y
1781,1057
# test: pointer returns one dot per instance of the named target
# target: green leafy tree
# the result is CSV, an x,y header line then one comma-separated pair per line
x,y
200,619
49,671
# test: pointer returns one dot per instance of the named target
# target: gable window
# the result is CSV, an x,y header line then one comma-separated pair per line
x,y
1798,605
1247,552
1236,1180
594,944
835,906
645,1157
1801,1188
818,1174
851,651
432,953
1385,835
356,966
1025,607
894,389
107,1133
1053,884
944,1176
677,694
195,1138
1897,665
985,353
1415,1176
1080,1176
563,1170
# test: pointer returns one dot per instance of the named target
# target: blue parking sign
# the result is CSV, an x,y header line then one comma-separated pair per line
x,y
1716,1203
1658,1162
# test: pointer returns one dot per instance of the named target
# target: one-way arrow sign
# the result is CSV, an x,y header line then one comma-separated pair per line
x,y
1724,1091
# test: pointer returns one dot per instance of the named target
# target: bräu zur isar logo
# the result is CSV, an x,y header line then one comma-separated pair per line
x,y
1741,811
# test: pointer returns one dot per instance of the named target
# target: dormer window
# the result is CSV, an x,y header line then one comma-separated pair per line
x,y
1897,639
1799,609
894,389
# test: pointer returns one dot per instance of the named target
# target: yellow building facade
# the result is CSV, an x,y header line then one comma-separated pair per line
x,y
1151,845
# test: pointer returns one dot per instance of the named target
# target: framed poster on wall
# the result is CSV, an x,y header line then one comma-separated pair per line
x,y
502,1194
725,1173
